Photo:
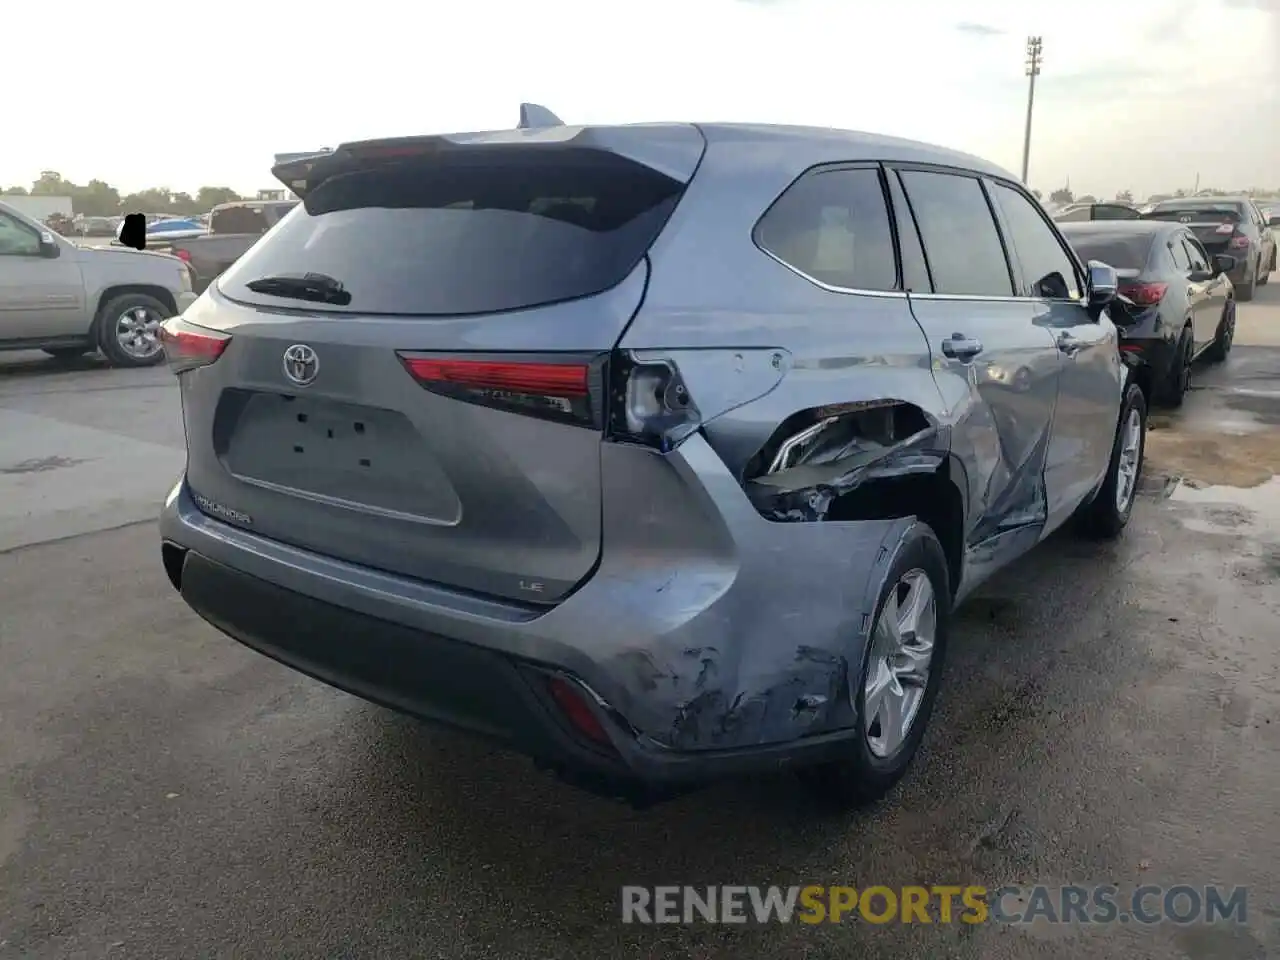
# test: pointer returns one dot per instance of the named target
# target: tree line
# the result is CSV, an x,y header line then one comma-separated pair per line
x,y
1064,195
98,198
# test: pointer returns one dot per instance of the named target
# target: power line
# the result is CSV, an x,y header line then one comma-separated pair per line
x,y
1034,59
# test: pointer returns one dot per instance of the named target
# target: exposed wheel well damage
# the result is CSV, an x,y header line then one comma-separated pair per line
x,y
870,460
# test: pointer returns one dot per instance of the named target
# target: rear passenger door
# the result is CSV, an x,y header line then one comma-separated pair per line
x,y
997,369
1049,277
1209,292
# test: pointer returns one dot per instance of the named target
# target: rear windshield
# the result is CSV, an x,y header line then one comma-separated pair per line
x,y
239,220
1195,213
1122,251
498,228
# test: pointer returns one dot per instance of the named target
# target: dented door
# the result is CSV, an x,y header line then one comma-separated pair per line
x,y
997,369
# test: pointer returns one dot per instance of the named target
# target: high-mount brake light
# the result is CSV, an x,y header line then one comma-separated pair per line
x,y
188,347
569,390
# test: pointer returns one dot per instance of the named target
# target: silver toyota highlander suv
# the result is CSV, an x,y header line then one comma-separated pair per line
x,y
657,452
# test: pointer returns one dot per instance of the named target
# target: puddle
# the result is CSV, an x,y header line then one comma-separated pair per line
x,y
1231,509
1215,456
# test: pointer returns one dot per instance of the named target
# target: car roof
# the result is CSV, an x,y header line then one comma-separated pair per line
x,y
1202,201
812,145
1131,227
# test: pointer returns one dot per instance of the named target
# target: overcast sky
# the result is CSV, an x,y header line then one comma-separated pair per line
x,y
1135,94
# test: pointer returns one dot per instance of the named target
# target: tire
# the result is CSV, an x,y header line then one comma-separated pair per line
x,y
1244,292
869,767
140,309
66,353
1264,275
1106,516
1226,336
1178,380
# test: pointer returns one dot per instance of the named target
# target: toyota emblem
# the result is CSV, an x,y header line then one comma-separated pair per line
x,y
301,364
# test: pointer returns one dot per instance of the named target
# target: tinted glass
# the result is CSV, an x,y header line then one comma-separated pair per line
x,y
1191,211
1199,257
475,232
915,272
1078,215
833,226
1112,211
1046,268
238,219
17,239
1122,251
959,233
1181,259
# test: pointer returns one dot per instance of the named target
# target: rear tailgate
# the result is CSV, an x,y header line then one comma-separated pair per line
x,y
1214,227
447,423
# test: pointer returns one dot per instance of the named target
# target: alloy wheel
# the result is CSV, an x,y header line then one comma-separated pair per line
x,y
138,332
901,652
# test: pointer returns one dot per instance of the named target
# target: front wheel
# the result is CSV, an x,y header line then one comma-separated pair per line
x,y
1108,514
893,691
129,330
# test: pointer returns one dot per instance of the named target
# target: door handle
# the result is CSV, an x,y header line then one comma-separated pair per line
x,y
1069,344
960,347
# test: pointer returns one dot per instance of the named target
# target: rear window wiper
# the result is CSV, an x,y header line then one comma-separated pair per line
x,y
316,287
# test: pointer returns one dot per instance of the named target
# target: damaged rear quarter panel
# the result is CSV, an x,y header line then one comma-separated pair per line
x,y
762,640
718,628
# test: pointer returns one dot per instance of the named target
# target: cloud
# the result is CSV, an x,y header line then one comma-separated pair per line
x,y
984,30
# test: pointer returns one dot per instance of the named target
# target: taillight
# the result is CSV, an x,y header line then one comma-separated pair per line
x,y
1144,294
187,346
566,389
1239,243
183,255
649,403
1225,228
572,701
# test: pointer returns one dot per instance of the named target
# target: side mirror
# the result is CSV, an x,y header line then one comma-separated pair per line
x,y
1274,221
1103,284
49,248
1223,264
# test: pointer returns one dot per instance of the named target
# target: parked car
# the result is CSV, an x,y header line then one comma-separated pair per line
x,y
627,447
1230,225
233,228
178,228
1080,212
97,226
67,300
1176,302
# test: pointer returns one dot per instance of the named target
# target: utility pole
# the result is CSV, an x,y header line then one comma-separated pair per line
x,y
1034,46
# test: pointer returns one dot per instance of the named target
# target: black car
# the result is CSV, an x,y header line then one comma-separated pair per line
x,y
1230,225
1176,299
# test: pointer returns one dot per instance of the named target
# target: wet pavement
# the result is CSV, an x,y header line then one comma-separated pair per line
x,y
1111,714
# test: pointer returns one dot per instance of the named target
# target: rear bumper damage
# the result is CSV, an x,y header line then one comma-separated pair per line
x,y
709,641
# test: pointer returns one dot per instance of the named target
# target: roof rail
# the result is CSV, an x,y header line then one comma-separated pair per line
x,y
534,115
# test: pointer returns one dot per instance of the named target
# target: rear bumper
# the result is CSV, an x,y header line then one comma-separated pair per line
x,y
714,655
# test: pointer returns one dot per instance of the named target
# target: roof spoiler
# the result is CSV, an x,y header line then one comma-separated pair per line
x,y
534,115
296,171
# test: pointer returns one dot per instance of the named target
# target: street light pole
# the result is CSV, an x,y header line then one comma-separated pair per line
x,y
1034,45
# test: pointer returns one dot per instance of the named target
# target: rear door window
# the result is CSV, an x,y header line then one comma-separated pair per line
x,y
1047,268
961,241
1199,256
915,269
832,226
504,228
1181,259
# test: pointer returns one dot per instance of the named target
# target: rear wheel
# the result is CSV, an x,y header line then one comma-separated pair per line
x,y
1264,274
893,693
1221,345
1178,380
1106,516
129,330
